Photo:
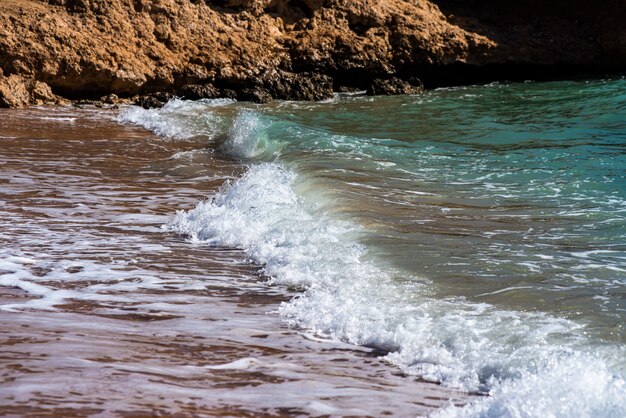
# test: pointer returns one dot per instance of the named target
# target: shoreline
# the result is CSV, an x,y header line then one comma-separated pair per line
x,y
159,99
170,327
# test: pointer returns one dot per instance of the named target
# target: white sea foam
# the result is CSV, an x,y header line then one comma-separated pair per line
x,y
178,119
59,119
571,386
247,137
261,213
45,280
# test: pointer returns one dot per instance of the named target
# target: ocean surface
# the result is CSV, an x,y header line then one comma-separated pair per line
x,y
476,234
473,236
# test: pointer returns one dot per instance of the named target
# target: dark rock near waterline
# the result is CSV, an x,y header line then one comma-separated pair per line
x,y
110,99
229,94
278,84
197,92
154,100
394,86
255,95
302,86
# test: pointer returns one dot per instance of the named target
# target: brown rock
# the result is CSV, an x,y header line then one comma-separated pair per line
x,y
40,93
297,50
13,92
17,91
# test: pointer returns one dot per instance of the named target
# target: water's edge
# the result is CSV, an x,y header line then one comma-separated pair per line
x,y
105,313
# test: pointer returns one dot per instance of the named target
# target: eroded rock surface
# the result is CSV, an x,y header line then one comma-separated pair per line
x,y
292,49
18,91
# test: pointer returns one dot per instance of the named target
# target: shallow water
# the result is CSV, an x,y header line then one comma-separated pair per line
x,y
105,313
476,233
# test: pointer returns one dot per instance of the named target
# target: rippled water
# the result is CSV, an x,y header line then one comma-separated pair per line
x,y
105,313
506,194
476,234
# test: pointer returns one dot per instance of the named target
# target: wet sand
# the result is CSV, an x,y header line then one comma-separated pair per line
x,y
130,320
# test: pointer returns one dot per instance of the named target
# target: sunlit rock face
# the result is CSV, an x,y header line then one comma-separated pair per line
x,y
260,50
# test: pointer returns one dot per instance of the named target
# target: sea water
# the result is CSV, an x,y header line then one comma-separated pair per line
x,y
475,236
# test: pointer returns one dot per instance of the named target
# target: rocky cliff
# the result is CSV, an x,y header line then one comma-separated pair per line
x,y
293,49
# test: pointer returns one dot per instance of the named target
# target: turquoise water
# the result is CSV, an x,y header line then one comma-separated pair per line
x,y
477,234
507,194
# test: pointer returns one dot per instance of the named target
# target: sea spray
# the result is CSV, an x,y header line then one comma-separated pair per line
x,y
180,119
261,213
247,137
